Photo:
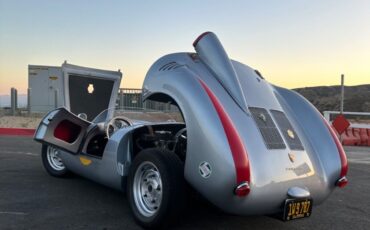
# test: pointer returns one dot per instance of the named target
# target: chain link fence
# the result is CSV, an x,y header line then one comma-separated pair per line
x,y
131,100
127,99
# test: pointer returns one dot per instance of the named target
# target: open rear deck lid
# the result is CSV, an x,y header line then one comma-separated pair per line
x,y
90,91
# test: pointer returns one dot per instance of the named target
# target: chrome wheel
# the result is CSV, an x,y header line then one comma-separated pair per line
x,y
54,160
147,189
156,189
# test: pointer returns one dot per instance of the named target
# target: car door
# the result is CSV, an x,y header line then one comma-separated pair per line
x,y
62,129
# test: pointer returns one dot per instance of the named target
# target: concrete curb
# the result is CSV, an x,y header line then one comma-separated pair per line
x,y
17,132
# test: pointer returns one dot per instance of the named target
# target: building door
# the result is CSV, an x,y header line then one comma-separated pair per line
x,y
55,87
39,84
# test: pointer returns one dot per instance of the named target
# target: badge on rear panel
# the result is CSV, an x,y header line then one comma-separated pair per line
x,y
205,169
290,133
262,117
291,157
90,88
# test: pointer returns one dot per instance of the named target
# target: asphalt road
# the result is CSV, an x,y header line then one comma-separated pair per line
x,y
31,199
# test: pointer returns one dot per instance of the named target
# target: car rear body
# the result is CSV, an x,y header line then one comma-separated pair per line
x,y
246,130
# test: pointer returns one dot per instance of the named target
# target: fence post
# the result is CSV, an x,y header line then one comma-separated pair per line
x,y
327,115
121,103
29,101
341,93
16,99
13,100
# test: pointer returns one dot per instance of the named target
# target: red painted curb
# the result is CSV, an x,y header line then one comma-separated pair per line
x,y
17,131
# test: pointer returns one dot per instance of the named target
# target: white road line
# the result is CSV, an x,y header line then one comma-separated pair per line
x,y
14,213
360,161
22,153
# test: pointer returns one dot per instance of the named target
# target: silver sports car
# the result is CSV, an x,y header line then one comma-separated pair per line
x,y
247,146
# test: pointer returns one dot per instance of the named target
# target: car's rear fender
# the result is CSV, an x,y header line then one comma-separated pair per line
x,y
271,171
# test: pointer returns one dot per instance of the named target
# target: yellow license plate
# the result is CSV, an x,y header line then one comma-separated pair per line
x,y
297,208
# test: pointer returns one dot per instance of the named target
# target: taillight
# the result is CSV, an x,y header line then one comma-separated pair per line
x,y
342,182
242,189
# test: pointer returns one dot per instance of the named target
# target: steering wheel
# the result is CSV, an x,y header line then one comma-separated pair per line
x,y
115,124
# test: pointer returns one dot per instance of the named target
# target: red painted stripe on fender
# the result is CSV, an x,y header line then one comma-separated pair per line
x,y
17,131
240,155
342,154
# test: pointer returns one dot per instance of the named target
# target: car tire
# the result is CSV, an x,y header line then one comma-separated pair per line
x,y
52,163
156,189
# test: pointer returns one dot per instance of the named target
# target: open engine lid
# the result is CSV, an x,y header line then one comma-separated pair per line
x,y
90,91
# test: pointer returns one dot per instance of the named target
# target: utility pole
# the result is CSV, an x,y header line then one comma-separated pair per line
x,y
341,101
341,93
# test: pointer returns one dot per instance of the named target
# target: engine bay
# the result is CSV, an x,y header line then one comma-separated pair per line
x,y
170,137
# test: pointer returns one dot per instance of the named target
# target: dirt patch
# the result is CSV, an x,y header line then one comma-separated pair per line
x,y
19,122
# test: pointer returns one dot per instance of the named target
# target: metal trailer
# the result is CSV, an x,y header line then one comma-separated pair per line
x,y
45,82
48,86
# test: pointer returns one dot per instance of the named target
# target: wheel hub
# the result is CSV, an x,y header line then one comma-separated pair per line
x,y
54,160
147,189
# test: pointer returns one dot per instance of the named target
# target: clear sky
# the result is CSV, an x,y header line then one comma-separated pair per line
x,y
294,43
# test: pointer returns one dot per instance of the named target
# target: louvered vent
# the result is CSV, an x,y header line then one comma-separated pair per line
x,y
169,66
286,128
266,125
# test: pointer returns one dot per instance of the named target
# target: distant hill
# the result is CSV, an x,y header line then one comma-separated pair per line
x,y
356,98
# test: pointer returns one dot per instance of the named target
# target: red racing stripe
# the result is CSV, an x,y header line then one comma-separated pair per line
x,y
342,154
239,152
